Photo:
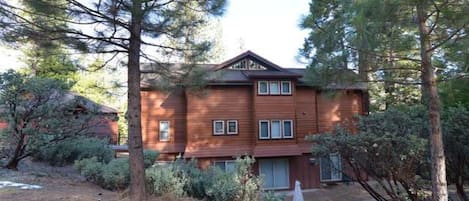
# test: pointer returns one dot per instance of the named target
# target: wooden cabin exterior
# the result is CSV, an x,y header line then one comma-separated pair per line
x,y
253,107
103,123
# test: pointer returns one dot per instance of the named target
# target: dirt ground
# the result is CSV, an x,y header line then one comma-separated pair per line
x,y
64,183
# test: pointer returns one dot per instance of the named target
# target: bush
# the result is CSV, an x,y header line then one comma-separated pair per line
x,y
113,175
91,169
69,150
116,174
271,196
165,179
185,179
149,157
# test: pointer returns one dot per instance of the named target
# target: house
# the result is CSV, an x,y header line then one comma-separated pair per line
x,y
253,107
102,125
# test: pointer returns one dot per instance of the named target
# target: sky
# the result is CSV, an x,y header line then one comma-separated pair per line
x,y
269,28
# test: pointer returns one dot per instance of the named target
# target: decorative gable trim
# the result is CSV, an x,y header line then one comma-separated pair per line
x,y
263,64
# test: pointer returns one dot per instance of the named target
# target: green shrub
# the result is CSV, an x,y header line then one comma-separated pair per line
x,y
69,150
113,175
116,174
271,196
183,178
220,185
149,157
91,169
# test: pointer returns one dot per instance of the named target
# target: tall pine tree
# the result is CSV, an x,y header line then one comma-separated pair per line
x,y
388,38
134,28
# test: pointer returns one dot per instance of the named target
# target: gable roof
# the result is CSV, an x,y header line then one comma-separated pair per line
x,y
249,55
222,74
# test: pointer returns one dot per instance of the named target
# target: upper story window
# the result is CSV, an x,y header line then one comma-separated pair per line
x,y
164,130
264,129
274,87
263,87
220,128
275,129
247,64
232,127
286,87
287,128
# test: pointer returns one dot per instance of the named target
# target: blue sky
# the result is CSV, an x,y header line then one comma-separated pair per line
x,y
266,27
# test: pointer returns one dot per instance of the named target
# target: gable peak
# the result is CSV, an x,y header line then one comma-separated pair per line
x,y
248,61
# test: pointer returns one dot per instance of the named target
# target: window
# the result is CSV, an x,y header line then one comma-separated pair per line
x,y
264,132
276,132
275,173
218,127
232,127
227,166
275,129
286,87
287,129
274,87
331,168
263,87
164,130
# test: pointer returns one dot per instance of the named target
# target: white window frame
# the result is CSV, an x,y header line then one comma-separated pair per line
x,y
259,87
280,127
289,88
340,168
288,173
225,162
291,129
214,127
278,87
228,127
160,131
268,129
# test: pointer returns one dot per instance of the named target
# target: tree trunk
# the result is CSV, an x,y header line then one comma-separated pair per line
x,y
137,169
460,189
17,156
13,163
432,101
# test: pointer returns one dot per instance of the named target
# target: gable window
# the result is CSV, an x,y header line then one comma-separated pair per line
x,y
264,131
247,64
274,87
227,166
286,87
287,128
232,127
218,127
164,130
275,129
262,87
276,132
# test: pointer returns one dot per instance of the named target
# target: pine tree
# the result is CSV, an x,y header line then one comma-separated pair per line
x,y
134,28
391,37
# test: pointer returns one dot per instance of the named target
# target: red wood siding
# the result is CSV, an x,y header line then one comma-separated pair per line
x,y
3,124
219,103
273,107
105,126
306,122
160,106
338,107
